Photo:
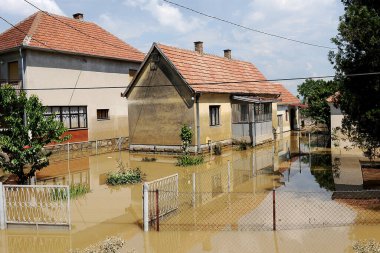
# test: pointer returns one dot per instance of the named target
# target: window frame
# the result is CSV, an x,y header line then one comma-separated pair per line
x,y
61,116
107,117
214,110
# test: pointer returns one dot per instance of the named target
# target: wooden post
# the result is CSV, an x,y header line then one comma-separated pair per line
x,y
274,209
157,212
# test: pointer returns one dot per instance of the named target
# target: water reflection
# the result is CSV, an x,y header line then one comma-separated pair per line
x,y
108,211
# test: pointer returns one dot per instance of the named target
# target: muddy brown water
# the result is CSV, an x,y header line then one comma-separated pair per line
x,y
117,211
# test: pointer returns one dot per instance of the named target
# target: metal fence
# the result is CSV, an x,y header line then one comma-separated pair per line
x,y
86,148
168,198
273,210
35,205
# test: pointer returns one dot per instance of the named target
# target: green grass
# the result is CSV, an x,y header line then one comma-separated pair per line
x,y
76,191
188,160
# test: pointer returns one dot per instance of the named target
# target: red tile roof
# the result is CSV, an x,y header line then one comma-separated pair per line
x,y
203,71
54,34
286,98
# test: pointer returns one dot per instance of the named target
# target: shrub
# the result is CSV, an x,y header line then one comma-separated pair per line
x,y
242,145
186,135
217,149
123,176
76,191
370,246
147,159
187,160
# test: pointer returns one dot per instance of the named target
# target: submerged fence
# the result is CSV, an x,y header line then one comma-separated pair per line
x,y
34,205
274,210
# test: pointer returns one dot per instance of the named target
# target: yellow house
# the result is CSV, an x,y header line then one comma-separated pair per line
x,y
220,98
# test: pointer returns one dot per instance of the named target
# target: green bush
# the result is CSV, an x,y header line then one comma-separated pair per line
x,y
187,160
123,176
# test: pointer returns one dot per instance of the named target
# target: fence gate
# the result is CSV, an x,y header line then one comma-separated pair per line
x,y
165,199
35,205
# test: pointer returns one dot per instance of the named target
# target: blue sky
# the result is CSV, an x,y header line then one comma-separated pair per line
x,y
142,22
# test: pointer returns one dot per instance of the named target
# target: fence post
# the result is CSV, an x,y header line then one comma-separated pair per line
x,y
68,206
299,143
146,207
157,211
309,143
229,175
96,147
274,209
2,207
194,189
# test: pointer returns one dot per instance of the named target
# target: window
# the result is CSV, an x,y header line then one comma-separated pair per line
x,y
263,112
13,72
72,117
243,113
214,115
102,114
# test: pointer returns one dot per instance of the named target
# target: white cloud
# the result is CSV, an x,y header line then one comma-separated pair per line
x,y
17,7
165,14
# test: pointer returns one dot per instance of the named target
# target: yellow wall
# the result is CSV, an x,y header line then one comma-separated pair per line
x,y
215,133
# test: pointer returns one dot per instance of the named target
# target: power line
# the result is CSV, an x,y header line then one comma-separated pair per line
x,y
74,28
209,83
245,27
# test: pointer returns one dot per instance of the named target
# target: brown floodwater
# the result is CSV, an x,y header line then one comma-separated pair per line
x,y
117,211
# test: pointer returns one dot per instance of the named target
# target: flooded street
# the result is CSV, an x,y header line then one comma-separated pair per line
x,y
117,211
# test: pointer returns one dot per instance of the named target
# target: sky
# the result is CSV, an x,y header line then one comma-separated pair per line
x,y
142,22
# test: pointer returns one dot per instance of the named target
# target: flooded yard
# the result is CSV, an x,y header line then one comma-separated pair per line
x,y
218,216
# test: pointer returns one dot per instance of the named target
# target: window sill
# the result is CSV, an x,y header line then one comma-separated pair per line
x,y
215,125
103,119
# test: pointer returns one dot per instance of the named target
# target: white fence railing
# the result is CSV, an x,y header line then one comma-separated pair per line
x,y
167,198
35,205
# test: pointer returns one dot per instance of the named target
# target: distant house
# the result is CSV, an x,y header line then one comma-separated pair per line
x,y
46,52
288,117
220,98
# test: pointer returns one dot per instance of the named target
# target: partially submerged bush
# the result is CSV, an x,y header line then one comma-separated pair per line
x,y
217,149
147,159
188,160
110,245
125,176
370,246
242,145
76,191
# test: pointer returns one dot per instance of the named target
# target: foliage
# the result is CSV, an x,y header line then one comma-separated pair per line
x,y
370,246
23,142
76,191
186,136
314,93
149,159
187,160
242,145
217,149
358,43
125,176
110,245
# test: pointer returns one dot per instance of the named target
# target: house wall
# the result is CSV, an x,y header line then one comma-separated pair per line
x,y
222,131
281,110
157,113
49,70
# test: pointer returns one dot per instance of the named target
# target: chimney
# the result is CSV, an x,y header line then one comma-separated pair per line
x,y
227,53
78,16
198,47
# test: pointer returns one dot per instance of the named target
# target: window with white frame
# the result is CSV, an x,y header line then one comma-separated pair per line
x,y
72,117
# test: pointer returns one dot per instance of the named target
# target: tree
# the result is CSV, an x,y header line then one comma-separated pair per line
x,y
22,144
314,94
358,51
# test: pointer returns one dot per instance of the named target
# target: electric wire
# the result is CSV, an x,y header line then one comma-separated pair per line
x,y
206,83
245,27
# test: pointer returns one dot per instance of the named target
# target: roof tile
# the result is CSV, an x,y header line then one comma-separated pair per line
x,y
286,97
50,32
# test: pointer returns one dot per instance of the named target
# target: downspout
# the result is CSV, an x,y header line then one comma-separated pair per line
x,y
23,86
198,123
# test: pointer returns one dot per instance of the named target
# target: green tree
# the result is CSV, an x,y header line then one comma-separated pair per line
x,y
358,51
314,93
22,144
